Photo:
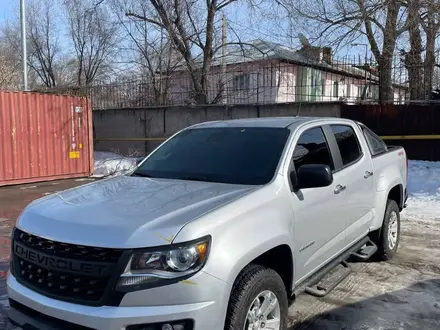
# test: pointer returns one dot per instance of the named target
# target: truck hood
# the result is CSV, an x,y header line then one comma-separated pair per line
x,y
125,212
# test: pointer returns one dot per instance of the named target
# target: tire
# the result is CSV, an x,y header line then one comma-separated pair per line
x,y
386,248
252,282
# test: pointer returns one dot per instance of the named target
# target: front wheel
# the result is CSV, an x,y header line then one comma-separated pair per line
x,y
258,301
390,234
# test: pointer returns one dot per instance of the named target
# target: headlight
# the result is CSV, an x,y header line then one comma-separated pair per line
x,y
164,264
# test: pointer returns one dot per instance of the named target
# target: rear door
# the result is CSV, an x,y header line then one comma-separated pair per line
x,y
354,167
319,220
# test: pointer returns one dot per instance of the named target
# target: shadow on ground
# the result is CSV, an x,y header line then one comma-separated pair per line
x,y
414,307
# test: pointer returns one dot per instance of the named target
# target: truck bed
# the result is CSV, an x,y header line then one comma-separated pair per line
x,y
394,159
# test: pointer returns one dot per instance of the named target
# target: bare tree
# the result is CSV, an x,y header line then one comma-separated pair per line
x,y
147,47
43,41
423,27
413,58
10,62
430,21
93,37
341,21
192,36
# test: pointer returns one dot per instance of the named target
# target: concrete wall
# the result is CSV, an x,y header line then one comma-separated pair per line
x,y
127,125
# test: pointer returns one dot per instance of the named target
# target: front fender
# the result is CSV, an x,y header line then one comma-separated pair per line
x,y
244,230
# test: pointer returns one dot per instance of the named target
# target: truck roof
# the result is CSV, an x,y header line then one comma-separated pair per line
x,y
261,122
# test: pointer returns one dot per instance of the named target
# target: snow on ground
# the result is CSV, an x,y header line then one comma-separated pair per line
x,y
110,164
424,191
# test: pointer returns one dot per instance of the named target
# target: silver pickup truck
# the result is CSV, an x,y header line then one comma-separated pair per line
x,y
216,229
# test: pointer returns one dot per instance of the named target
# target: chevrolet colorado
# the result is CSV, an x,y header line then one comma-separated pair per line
x,y
215,229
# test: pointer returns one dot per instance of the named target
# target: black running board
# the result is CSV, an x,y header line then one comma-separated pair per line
x,y
312,283
366,251
321,291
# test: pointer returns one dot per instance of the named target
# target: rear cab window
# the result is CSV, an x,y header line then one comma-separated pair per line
x,y
375,144
348,144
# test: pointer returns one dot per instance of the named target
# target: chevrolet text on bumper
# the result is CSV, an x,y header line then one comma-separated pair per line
x,y
213,230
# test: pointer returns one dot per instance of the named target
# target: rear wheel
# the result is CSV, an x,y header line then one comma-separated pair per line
x,y
389,238
258,301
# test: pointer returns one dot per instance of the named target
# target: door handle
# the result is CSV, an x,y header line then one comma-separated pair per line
x,y
339,189
367,174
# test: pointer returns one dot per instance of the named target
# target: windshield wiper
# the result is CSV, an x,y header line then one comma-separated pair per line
x,y
141,174
194,178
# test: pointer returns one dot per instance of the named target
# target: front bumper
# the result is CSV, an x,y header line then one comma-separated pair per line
x,y
41,312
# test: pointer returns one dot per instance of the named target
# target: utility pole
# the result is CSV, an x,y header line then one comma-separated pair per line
x,y
223,78
23,44
364,94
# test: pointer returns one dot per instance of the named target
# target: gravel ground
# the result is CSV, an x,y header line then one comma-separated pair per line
x,y
401,294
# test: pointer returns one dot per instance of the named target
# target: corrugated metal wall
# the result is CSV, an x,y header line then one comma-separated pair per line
x,y
44,137
416,127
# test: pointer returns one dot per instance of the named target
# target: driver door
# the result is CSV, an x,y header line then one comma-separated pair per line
x,y
319,221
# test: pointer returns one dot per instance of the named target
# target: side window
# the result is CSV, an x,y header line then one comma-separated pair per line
x,y
312,148
375,143
347,142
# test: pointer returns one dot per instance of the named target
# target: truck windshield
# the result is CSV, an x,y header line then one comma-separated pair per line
x,y
236,155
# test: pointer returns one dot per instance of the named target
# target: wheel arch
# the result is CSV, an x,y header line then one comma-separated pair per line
x,y
278,258
395,192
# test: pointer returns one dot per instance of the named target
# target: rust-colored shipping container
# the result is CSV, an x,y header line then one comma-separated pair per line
x,y
44,137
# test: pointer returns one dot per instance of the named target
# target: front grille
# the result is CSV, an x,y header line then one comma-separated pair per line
x,y
38,264
71,251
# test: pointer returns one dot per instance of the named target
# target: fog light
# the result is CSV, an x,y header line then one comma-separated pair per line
x,y
170,325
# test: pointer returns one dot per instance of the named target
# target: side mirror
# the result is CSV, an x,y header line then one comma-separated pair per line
x,y
312,176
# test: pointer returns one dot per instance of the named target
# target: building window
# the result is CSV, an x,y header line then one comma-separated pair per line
x,y
241,82
335,89
314,82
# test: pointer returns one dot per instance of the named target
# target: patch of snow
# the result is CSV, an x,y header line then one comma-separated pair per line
x,y
29,187
423,190
111,164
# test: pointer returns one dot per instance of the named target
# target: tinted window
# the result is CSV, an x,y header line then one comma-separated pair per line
x,y
247,155
312,148
347,142
375,143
